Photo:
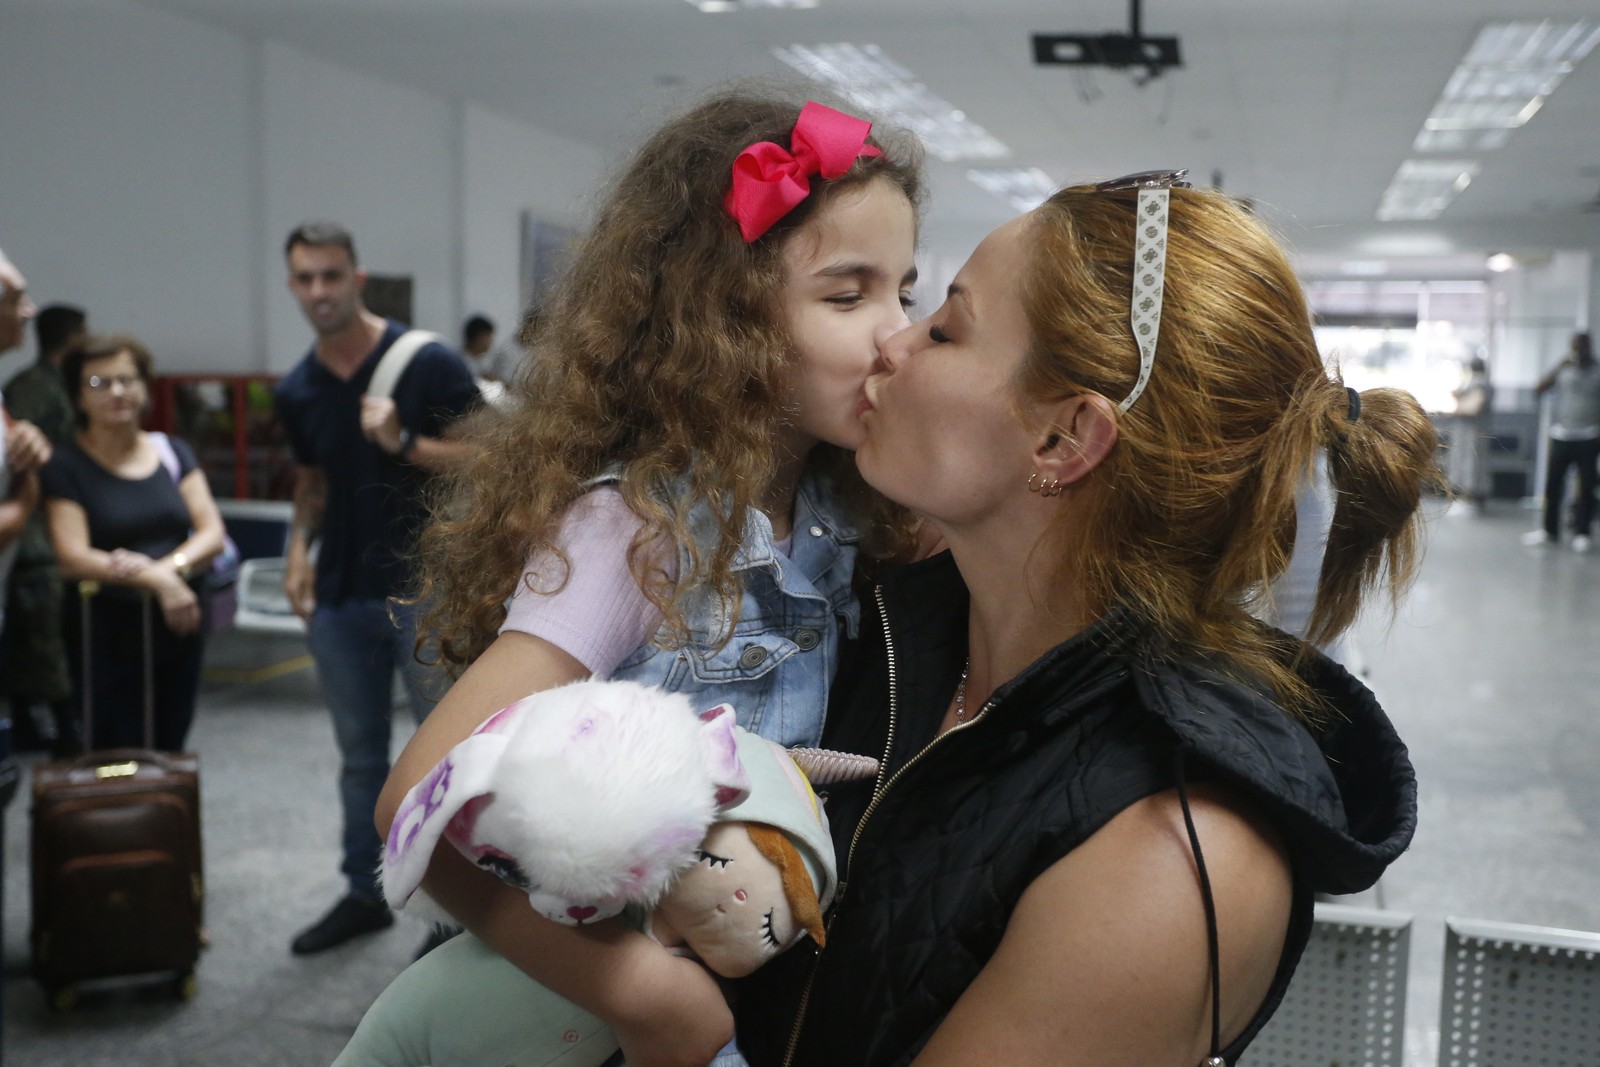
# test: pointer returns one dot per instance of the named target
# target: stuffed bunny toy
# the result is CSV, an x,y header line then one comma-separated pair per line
x,y
598,799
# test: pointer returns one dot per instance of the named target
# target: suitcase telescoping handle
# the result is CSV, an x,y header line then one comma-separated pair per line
x,y
87,589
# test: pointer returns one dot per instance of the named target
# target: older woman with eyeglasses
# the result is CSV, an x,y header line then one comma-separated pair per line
x,y
130,513
1108,793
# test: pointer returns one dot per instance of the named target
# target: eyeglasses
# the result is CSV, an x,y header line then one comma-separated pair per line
x,y
1149,263
100,383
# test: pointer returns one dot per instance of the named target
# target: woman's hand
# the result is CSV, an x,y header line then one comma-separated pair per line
x,y
179,606
126,563
677,1014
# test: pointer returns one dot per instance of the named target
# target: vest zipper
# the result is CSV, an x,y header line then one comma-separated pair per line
x,y
879,789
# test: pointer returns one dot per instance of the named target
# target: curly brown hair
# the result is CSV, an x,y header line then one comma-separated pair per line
x,y
663,352
1199,513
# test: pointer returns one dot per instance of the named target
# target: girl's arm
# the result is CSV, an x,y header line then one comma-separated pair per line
x,y
665,1010
1105,959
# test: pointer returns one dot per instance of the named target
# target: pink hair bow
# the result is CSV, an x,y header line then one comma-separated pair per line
x,y
769,180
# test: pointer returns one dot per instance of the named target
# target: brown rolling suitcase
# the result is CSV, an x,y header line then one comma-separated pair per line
x,y
116,868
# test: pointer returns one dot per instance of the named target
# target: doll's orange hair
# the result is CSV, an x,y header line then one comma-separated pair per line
x,y
780,851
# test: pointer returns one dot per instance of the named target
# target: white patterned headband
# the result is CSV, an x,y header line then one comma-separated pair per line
x,y
1149,264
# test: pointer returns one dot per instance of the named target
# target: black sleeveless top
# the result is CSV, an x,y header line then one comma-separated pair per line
x,y
965,826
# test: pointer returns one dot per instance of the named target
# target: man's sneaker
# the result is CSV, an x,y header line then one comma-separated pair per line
x,y
1535,538
350,918
1580,543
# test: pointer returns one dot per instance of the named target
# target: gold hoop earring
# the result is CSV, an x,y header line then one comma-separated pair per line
x,y
1051,488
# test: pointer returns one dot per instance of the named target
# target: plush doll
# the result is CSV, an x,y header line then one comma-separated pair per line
x,y
599,799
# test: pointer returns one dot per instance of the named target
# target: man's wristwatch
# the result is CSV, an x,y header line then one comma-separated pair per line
x,y
408,441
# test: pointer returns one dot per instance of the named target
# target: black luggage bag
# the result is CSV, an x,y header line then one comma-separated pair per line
x,y
116,865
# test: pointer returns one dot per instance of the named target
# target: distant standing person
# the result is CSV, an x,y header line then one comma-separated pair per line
x,y
33,660
477,338
361,465
1469,435
1574,441
500,364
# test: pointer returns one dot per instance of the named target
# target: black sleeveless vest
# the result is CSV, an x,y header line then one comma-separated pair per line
x,y
963,825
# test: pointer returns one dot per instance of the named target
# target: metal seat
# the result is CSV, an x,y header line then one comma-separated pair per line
x,y
263,606
261,529
1519,996
1347,1003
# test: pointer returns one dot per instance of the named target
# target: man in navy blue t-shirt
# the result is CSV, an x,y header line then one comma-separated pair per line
x,y
362,464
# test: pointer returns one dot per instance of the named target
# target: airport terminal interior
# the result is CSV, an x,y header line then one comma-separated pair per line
x,y
1430,166
1488,670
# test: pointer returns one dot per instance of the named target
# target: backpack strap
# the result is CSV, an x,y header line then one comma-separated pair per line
x,y
396,359
169,455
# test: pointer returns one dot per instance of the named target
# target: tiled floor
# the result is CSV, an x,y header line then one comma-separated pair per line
x,y
1491,670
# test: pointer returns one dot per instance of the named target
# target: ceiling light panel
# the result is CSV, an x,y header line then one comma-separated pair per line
x,y
1461,140
1505,78
1024,188
1423,188
877,84
1532,43
1503,81
717,7
1484,114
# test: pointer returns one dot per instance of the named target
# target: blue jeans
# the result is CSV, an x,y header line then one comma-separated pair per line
x,y
357,649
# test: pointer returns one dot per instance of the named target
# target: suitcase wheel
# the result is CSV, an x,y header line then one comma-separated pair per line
x,y
186,986
64,999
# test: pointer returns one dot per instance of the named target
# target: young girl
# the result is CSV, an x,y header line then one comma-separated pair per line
x,y
671,500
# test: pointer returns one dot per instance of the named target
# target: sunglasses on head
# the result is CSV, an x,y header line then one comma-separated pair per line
x,y
1149,263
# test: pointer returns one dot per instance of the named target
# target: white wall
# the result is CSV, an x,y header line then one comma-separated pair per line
x,y
1536,308
371,154
123,173
152,166
511,168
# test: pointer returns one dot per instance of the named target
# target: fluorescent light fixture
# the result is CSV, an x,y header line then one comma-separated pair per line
x,y
715,7
1364,268
1422,188
1024,188
879,85
1505,78
1500,262
1532,43
1461,140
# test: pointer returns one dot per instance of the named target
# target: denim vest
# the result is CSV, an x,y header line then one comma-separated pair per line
x,y
779,663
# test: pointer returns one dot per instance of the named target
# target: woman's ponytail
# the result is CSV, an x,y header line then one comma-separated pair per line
x,y
1382,457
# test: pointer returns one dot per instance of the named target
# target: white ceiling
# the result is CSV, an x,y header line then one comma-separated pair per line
x,y
1306,106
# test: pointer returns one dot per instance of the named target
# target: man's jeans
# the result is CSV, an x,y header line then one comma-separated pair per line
x,y
358,649
1563,454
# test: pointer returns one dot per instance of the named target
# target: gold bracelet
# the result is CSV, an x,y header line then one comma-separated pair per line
x,y
180,563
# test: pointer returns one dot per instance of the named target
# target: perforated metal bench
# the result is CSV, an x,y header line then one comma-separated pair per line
x,y
1346,1006
1519,996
